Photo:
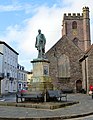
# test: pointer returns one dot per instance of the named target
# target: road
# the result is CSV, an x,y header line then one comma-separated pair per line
x,y
85,106
9,98
90,117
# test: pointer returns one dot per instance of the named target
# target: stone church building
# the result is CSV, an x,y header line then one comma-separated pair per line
x,y
71,58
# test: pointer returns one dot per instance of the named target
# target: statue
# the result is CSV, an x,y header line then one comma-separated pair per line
x,y
40,44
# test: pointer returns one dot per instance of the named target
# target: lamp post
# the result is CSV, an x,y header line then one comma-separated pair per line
x,y
55,55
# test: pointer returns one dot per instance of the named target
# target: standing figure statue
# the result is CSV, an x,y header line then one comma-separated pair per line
x,y
40,44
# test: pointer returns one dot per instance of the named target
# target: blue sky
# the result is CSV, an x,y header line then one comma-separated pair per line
x,y
21,19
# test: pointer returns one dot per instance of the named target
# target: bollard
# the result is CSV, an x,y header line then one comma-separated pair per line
x,y
92,94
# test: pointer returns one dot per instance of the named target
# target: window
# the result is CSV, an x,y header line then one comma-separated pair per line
x,y
74,25
64,66
45,72
24,77
75,41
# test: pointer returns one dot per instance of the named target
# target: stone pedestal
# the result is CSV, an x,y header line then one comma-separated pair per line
x,y
40,80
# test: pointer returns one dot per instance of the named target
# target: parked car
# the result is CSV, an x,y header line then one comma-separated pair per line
x,y
23,90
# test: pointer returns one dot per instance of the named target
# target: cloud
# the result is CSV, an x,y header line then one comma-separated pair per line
x,y
9,8
16,6
49,20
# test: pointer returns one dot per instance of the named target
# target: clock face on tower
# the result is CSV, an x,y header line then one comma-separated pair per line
x,y
74,32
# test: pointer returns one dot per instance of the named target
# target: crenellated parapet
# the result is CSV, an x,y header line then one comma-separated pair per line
x,y
86,8
72,16
78,25
85,12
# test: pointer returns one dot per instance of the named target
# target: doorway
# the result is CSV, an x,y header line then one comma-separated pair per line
x,y
78,86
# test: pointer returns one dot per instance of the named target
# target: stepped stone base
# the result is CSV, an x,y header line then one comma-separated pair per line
x,y
41,84
44,105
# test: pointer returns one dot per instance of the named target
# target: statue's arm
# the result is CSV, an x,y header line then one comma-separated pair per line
x,y
44,39
36,43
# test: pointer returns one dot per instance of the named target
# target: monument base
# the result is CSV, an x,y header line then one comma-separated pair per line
x,y
41,79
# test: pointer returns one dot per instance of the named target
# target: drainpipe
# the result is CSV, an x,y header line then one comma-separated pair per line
x,y
55,55
86,75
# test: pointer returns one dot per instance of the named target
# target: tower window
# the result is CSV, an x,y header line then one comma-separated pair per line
x,y
74,25
75,41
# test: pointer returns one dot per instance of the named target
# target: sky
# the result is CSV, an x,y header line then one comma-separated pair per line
x,y
21,19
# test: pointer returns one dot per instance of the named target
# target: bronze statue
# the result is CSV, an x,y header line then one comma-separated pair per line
x,y
40,44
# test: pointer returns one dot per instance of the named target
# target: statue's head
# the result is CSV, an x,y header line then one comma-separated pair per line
x,y
39,31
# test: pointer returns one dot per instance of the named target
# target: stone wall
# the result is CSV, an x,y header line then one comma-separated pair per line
x,y
90,67
81,32
67,47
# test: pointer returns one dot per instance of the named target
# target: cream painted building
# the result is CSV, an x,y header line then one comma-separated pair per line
x,y
29,76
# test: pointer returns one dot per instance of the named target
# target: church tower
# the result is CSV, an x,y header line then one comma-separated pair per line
x,y
86,27
77,28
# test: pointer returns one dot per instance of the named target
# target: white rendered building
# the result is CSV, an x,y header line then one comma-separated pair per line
x,y
9,63
22,77
1,74
1,59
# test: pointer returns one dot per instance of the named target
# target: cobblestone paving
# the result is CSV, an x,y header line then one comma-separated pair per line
x,y
84,107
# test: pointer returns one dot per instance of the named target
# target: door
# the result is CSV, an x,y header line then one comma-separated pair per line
x,y
78,86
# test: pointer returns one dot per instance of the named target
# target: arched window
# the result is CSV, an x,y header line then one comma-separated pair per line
x,y
74,25
75,41
64,66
